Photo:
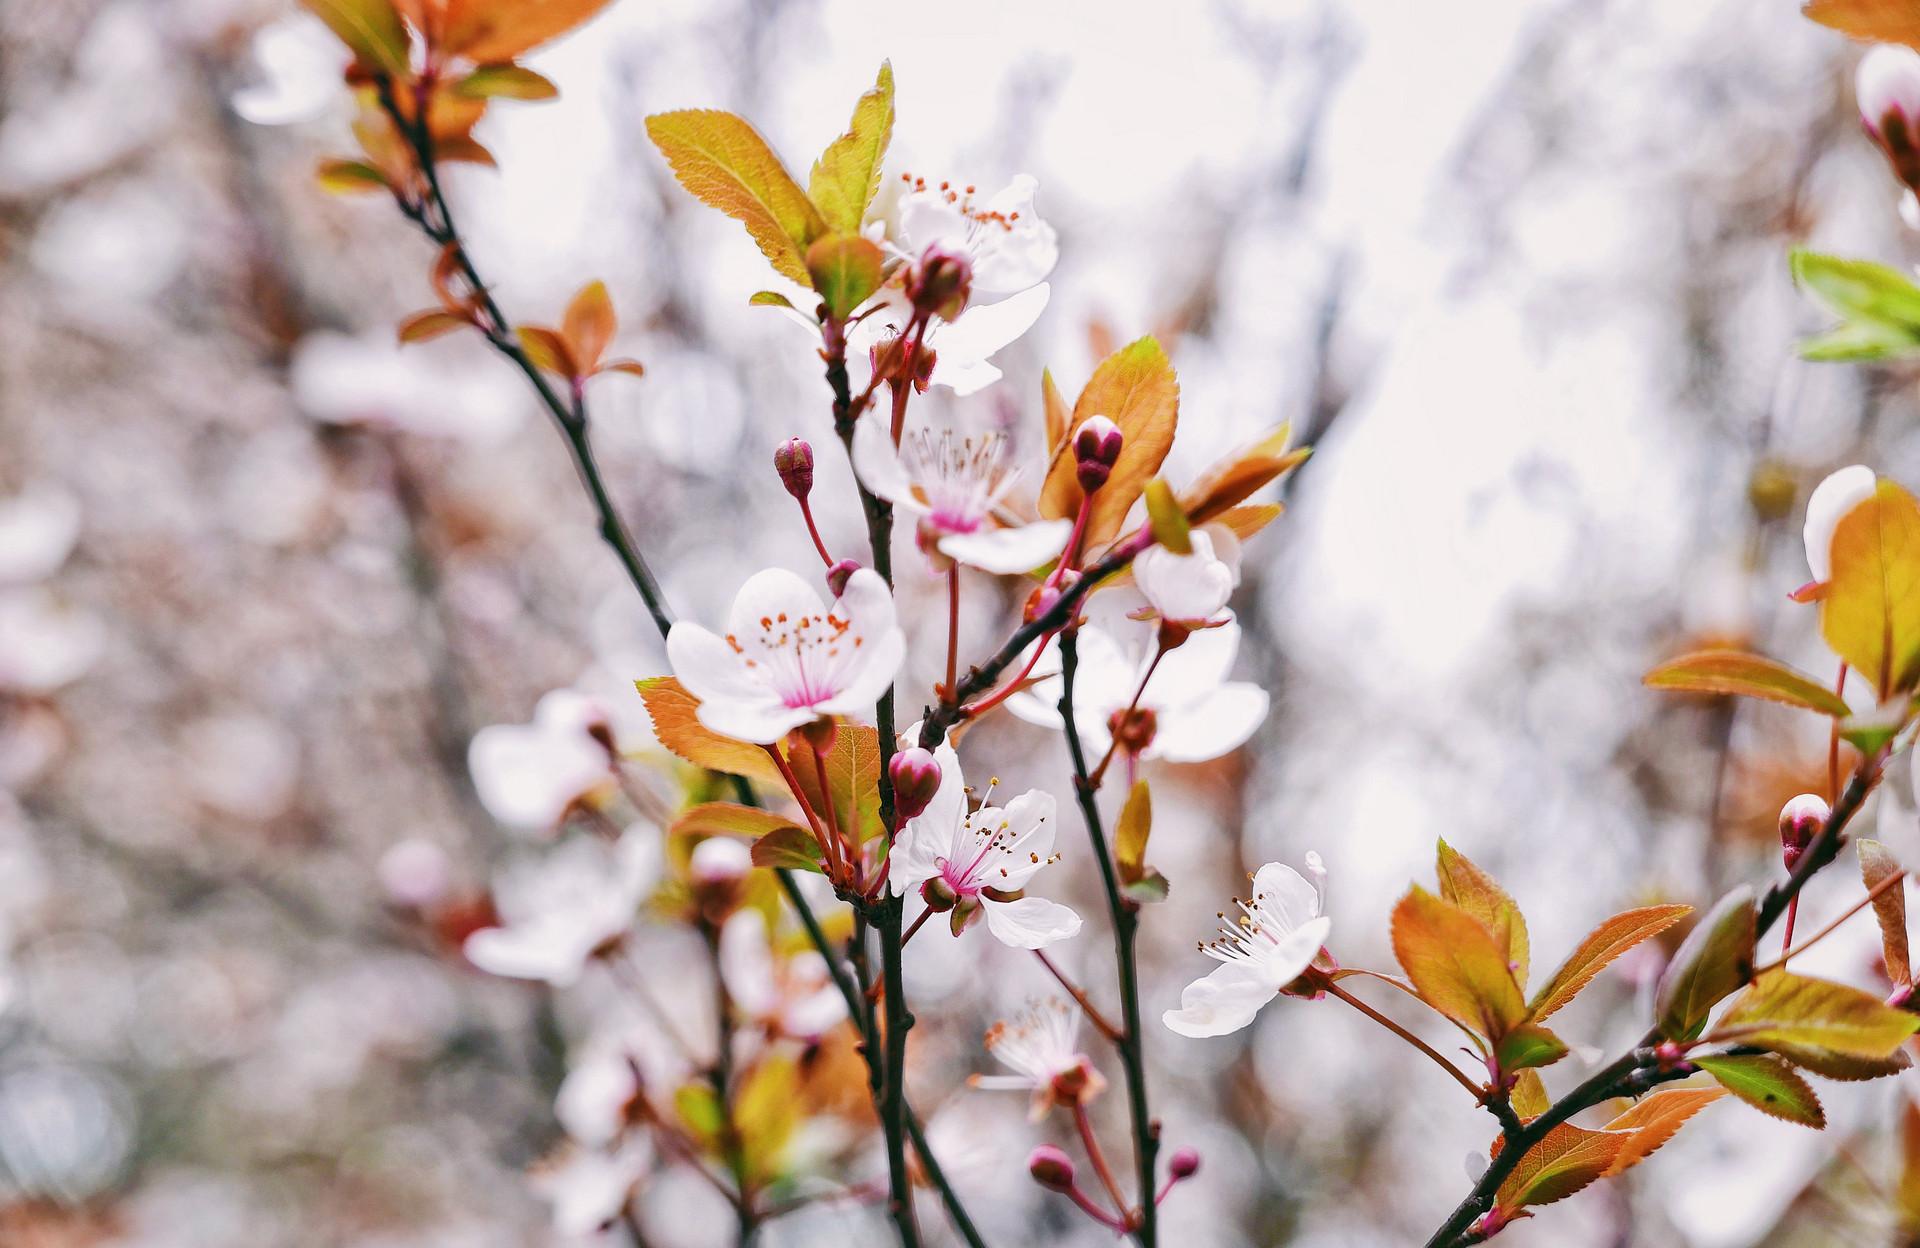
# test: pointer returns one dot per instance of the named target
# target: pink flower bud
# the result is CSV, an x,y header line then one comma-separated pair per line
x,y
839,574
793,460
1051,1168
1800,821
1184,1163
1096,448
916,778
1887,86
940,285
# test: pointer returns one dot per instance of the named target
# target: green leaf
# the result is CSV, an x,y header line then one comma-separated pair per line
x,y
1527,1046
847,175
1131,832
1167,521
1877,864
770,299
1769,1085
700,1112
1456,964
1858,290
1714,960
1603,944
724,163
791,847
1150,887
1871,612
371,29
1796,1010
1473,890
845,269
1860,342
506,82
1749,675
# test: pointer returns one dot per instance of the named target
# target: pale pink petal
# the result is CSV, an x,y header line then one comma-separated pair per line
x,y
877,461
1831,500
1210,726
1286,895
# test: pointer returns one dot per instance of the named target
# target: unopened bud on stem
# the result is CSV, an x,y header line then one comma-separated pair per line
x,y
941,284
1800,821
1051,1168
1184,1164
916,778
1887,86
793,460
1096,448
839,574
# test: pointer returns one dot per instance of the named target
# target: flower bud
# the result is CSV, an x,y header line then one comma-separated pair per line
x,y
1044,597
839,574
939,895
793,460
940,285
1096,448
1184,1163
1887,86
916,778
1133,729
1051,1168
1800,821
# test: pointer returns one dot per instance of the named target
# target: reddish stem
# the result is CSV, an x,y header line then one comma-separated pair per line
x,y
916,925
836,837
1079,996
1011,687
953,629
800,796
1113,743
813,531
1098,1158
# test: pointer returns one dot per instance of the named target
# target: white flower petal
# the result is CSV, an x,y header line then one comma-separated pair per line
x,y
1030,820
769,597
709,668
746,962
877,461
1191,588
928,219
984,328
1221,1002
526,776
1289,959
761,722
1829,503
963,377
1009,551
1030,922
1020,249
1191,671
1208,727
1286,896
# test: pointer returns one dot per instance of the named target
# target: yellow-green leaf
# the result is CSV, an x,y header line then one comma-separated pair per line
x,y
724,163
1769,1085
1136,389
1167,521
853,777
1714,960
672,709
1871,612
1748,675
1841,1066
1529,1096
1877,865
1783,1008
371,29
349,177
1527,1046
847,174
1473,890
506,82
767,1111
1456,964
1603,944
844,269
1130,834
791,848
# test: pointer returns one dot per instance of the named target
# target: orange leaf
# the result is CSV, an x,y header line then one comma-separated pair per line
x,y
1882,21
1890,908
547,350
1568,1159
633,368
1456,964
422,326
1871,613
672,710
1654,1120
371,29
499,30
1749,675
1057,416
1136,389
1603,944
1233,479
589,325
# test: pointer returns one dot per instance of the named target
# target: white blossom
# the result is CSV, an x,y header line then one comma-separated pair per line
x,y
560,912
1263,949
529,775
